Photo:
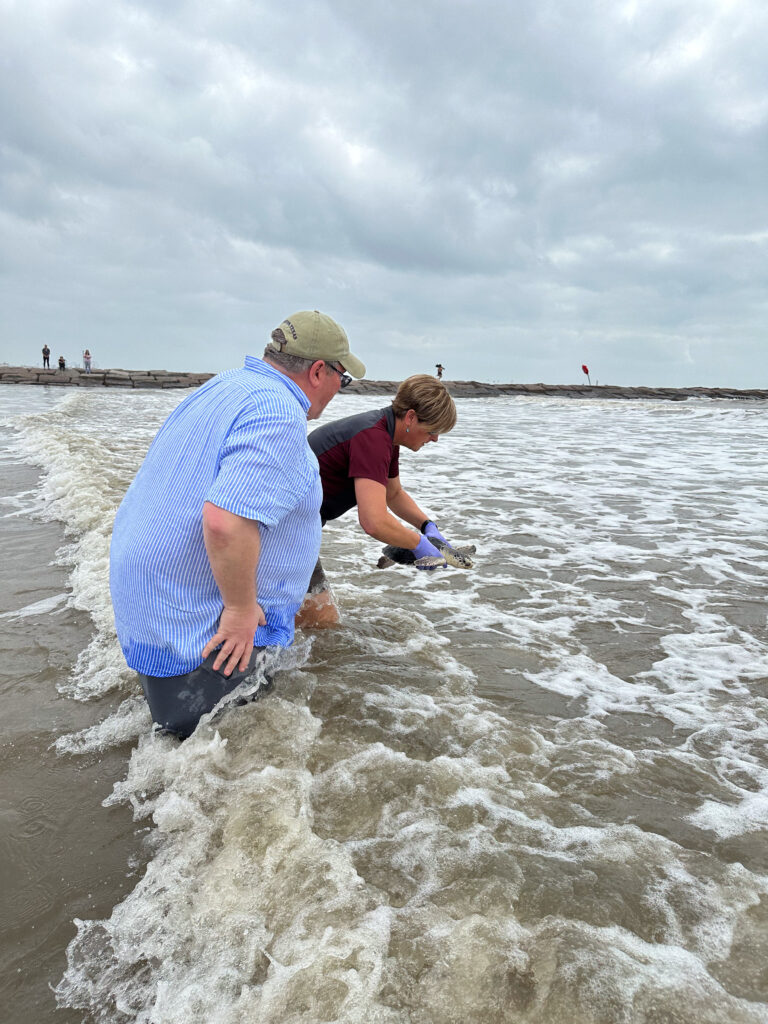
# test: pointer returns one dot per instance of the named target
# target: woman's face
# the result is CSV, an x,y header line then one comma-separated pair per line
x,y
417,434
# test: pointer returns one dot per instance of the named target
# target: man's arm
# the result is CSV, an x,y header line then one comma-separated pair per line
x,y
233,545
375,519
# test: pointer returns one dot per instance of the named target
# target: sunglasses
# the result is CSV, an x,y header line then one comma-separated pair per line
x,y
345,378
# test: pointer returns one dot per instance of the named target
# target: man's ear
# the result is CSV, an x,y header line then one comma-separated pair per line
x,y
316,370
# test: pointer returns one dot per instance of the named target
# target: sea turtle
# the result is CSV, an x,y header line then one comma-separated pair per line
x,y
459,558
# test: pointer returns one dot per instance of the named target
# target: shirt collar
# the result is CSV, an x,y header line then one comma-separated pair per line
x,y
389,413
265,370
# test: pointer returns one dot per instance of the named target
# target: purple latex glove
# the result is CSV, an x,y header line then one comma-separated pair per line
x,y
431,530
426,549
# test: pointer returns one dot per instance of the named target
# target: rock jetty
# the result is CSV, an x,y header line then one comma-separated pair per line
x,y
479,389
160,379
101,378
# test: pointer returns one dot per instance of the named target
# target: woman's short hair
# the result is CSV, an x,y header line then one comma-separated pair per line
x,y
429,399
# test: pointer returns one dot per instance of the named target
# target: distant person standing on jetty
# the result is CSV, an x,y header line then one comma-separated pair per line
x,y
229,486
359,459
87,361
439,367
62,363
46,357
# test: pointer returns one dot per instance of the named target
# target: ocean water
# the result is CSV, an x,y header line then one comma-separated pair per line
x,y
535,791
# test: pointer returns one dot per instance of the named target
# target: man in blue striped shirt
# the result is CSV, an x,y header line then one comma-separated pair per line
x,y
216,538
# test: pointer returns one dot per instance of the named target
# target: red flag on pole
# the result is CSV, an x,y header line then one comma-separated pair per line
x,y
585,368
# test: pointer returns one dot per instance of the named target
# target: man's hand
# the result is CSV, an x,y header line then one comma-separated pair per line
x,y
235,635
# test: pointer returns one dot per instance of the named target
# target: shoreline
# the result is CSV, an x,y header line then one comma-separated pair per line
x,y
164,379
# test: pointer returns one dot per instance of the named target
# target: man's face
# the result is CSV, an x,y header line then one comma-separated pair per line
x,y
328,384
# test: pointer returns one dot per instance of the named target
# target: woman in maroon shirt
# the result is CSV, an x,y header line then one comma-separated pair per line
x,y
359,466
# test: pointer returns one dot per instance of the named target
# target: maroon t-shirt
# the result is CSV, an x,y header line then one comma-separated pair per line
x,y
356,446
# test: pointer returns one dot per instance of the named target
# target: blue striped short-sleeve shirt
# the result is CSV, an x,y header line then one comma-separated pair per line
x,y
239,442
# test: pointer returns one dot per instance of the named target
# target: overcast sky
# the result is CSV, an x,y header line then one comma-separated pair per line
x,y
511,188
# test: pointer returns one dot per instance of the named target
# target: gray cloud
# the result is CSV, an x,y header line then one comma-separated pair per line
x,y
510,189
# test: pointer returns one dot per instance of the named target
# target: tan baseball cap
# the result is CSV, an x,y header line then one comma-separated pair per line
x,y
314,335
